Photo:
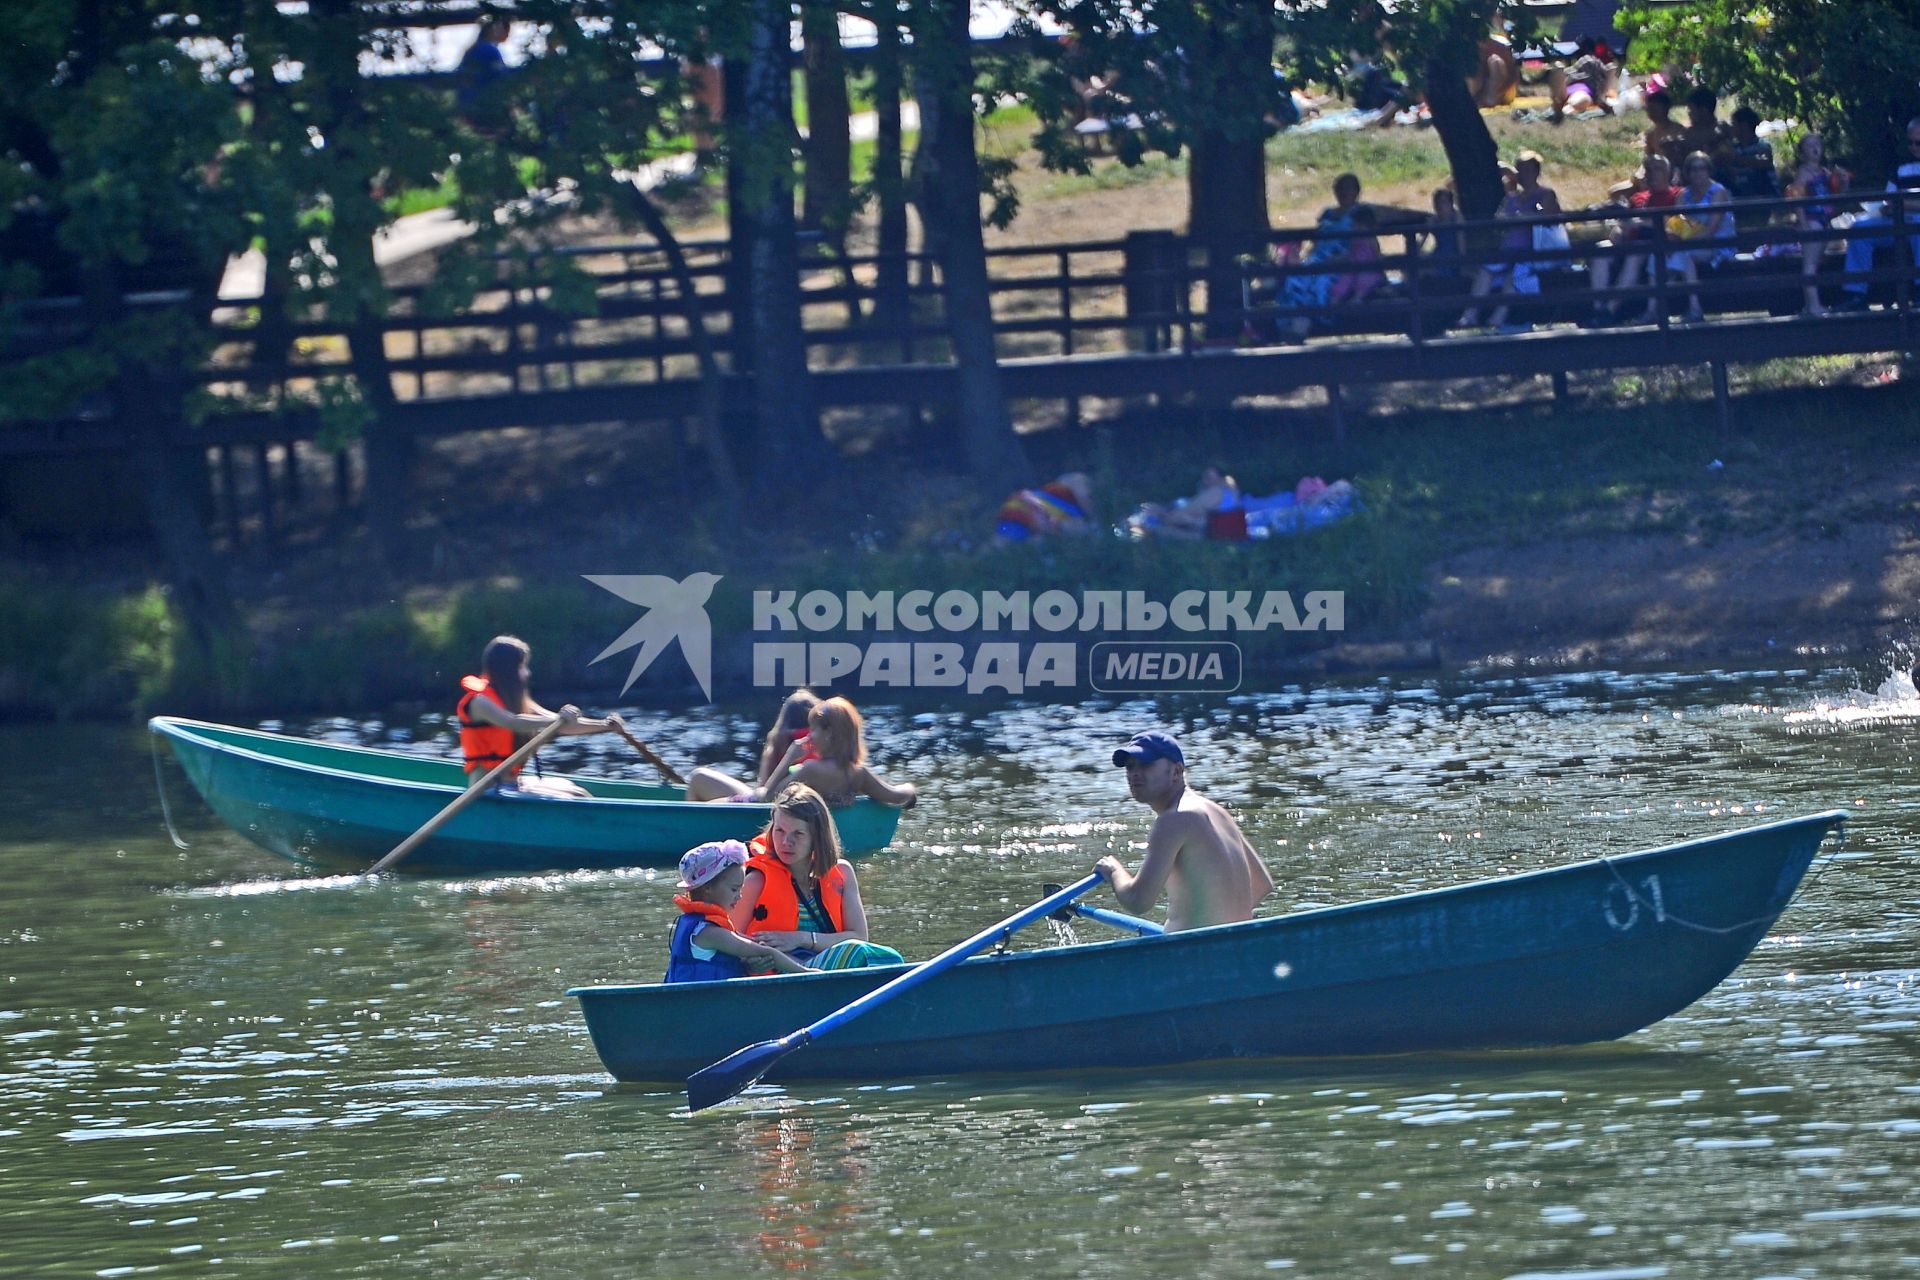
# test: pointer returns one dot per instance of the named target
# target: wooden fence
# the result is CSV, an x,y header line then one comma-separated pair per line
x,y
1115,318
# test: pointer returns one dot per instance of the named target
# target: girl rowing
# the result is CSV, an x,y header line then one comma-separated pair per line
x,y
495,708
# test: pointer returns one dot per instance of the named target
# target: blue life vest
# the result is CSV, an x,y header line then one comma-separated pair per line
x,y
684,966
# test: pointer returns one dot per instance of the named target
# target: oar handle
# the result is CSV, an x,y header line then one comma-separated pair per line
x,y
467,797
1118,919
647,754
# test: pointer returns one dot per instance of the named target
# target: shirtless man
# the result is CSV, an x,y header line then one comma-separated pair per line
x,y
1195,852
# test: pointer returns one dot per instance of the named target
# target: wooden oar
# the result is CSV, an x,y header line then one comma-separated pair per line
x,y
1118,919
740,1069
466,798
647,754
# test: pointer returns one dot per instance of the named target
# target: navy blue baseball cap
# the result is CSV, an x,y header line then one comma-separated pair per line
x,y
1147,747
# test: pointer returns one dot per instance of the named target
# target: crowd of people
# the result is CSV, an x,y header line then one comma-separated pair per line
x,y
1702,194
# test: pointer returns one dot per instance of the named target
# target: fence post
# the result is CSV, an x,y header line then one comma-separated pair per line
x,y
1659,275
263,470
229,490
292,448
1417,325
1149,283
1722,399
1904,261
343,478
1066,302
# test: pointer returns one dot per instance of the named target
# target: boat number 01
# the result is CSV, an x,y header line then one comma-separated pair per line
x,y
1620,894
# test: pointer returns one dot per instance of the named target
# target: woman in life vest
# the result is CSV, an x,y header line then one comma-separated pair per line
x,y
704,946
800,895
831,759
790,726
495,708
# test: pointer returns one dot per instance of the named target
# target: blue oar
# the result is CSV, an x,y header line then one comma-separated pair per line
x,y
740,1069
1119,920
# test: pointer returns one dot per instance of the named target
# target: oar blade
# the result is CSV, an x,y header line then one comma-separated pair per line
x,y
738,1071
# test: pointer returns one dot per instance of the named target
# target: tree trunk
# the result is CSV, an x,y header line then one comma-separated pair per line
x,y
950,177
1471,152
891,299
151,410
934,216
828,193
740,237
1226,217
1227,173
788,431
358,298
712,378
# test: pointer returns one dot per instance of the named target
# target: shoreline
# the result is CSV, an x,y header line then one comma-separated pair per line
x,y
1504,538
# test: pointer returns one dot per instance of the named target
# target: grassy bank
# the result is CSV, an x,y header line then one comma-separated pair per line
x,y
1638,461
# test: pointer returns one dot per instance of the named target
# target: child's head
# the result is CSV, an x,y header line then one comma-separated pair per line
x,y
713,872
1527,166
1812,149
835,731
1346,189
1659,106
1746,123
801,832
1443,202
1659,172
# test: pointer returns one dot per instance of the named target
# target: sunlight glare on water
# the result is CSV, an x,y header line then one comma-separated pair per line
x,y
215,1063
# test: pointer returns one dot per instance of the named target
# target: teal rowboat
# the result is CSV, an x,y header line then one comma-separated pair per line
x,y
326,803
1589,951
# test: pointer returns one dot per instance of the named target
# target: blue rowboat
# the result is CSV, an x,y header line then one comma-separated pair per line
x,y
1591,951
323,802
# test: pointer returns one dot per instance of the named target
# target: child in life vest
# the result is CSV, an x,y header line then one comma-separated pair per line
x,y
704,946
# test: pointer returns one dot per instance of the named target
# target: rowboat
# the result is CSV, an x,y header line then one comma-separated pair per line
x,y
1590,951
325,802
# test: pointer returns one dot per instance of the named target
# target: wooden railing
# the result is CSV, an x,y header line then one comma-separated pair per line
x,y
1124,316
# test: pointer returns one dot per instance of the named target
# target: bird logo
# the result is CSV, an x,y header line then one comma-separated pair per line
x,y
674,611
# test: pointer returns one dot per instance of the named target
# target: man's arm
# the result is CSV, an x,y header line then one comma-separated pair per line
x,y
1262,877
1142,892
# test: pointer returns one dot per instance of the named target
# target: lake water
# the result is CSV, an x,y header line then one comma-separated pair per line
x,y
213,1064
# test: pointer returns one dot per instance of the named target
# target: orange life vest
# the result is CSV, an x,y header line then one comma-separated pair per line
x,y
713,911
779,905
484,745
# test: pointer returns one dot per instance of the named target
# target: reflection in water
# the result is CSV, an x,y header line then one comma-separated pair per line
x,y
213,1063
807,1190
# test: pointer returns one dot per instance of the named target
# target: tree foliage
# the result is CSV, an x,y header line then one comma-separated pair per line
x,y
1846,67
